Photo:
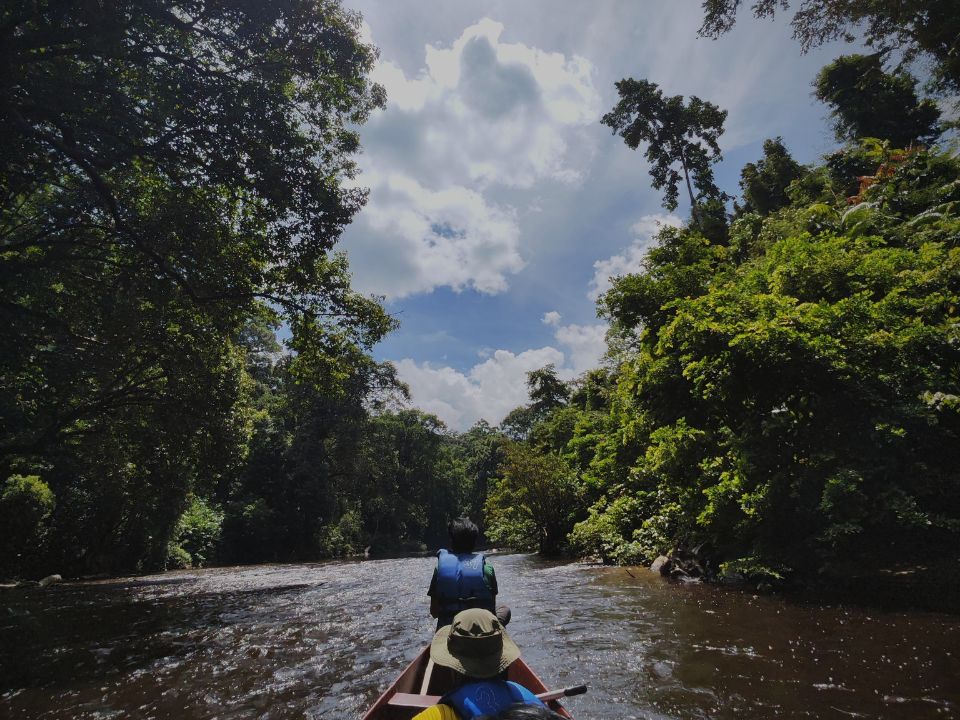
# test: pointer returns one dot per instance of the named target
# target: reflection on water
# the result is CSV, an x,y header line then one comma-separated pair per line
x,y
321,641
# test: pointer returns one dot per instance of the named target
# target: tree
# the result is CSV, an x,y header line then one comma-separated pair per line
x,y
765,182
681,264
480,451
197,533
26,503
547,391
868,102
415,487
318,462
518,423
674,133
534,504
244,112
915,28
169,171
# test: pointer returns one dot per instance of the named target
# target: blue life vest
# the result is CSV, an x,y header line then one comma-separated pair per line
x,y
487,697
460,585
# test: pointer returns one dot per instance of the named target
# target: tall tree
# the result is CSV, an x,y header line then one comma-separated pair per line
x,y
764,183
480,451
915,27
868,102
547,391
534,504
675,133
411,485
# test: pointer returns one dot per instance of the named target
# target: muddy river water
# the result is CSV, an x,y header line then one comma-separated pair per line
x,y
322,640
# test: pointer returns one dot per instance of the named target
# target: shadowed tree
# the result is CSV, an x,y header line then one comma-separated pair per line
x,y
914,28
868,102
169,171
518,423
764,183
480,450
547,391
675,133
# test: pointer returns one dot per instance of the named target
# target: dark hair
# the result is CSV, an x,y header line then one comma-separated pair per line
x,y
524,711
463,535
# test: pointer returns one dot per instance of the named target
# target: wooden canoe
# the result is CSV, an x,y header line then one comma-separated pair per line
x,y
419,685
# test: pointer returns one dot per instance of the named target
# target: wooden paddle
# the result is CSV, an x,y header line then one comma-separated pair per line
x,y
425,701
565,692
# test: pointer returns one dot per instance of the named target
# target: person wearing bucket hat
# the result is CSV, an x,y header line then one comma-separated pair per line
x,y
477,647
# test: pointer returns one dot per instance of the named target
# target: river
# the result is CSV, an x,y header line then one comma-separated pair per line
x,y
322,640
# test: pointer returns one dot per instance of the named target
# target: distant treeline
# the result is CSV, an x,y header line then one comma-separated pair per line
x,y
781,389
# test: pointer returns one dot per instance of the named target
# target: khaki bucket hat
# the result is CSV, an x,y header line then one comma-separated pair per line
x,y
475,644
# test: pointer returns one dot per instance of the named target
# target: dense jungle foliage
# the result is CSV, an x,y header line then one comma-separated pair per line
x,y
781,389
790,396
172,183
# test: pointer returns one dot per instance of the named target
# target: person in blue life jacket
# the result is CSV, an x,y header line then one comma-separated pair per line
x,y
463,578
477,647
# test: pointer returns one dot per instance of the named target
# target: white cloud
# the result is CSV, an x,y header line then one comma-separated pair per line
x,y
551,318
494,387
489,390
586,345
413,240
478,113
487,111
631,259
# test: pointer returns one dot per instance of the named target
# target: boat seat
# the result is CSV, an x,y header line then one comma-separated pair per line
x,y
412,700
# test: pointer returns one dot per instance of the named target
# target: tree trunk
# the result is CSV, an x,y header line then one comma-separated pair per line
x,y
693,203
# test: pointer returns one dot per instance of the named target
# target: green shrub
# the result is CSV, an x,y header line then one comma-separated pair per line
x,y
754,570
26,503
342,538
177,558
598,536
514,533
198,532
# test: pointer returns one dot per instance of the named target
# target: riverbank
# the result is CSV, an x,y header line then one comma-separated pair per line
x,y
932,586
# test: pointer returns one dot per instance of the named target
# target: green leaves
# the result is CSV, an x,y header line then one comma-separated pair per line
x,y
924,28
867,102
172,172
534,503
674,133
765,183
797,404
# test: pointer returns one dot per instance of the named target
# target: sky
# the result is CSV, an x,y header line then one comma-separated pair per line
x,y
500,206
